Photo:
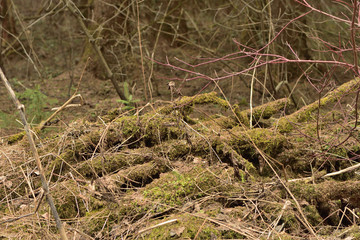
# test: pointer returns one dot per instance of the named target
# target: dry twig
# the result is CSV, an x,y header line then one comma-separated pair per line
x,y
44,182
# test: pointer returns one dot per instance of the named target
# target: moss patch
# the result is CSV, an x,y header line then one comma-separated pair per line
x,y
175,188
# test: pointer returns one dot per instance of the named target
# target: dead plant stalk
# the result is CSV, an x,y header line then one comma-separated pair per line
x,y
28,131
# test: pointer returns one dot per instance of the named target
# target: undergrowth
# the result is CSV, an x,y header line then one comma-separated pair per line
x,y
36,105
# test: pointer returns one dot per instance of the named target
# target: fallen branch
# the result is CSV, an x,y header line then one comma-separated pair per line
x,y
348,169
18,136
26,215
157,225
65,105
287,123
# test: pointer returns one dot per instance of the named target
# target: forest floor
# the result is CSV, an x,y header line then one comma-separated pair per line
x,y
195,165
190,168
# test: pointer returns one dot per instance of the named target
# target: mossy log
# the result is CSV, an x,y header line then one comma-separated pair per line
x,y
107,163
264,111
126,131
154,165
185,104
287,123
330,197
136,176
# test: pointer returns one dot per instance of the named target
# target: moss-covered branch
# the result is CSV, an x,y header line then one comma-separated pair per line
x,y
286,123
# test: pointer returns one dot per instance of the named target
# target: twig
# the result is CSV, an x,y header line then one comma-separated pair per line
x,y
141,52
304,220
82,233
201,227
44,183
66,104
157,225
240,230
329,174
28,38
342,171
252,91
276,222
26,215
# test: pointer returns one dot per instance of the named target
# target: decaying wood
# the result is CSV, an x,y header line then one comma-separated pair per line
x,y
134,168
286,123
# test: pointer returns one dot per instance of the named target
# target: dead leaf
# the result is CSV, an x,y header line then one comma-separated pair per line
x,y
177,231
2,178
8,184
45,215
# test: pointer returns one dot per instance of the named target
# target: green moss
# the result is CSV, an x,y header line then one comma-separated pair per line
x,y
110,162
159,128
173,149
135,208
287,123
267,140
229,234
15,138
290,221
128,125
150,128
185,104
137,176
175,188
279,235
312,215
73,207
112,114
356,235
351,232
98,219
83,147
338,152
264,111
146,172
225,122
227,152
303,190
67,201
190,226
242,116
